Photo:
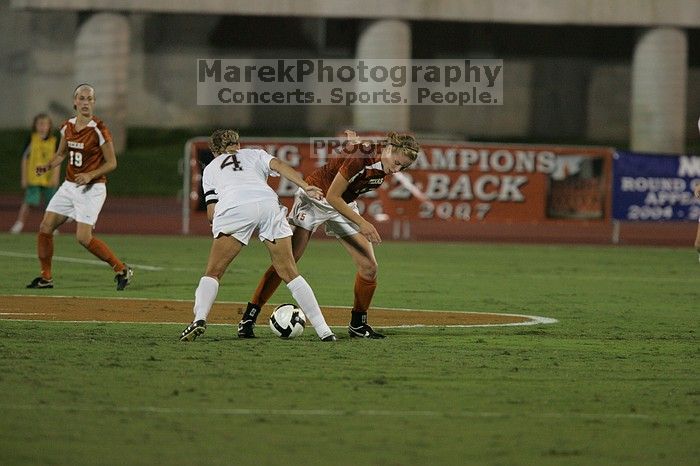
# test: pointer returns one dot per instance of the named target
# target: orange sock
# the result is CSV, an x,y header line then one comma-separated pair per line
x,y
364,291
101,250
267,286
44,248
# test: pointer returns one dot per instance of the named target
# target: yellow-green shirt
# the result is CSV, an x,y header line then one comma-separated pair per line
x,y
39,151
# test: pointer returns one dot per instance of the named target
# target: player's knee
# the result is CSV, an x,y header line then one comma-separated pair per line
x,y
83,238
46,226
368,269
287,271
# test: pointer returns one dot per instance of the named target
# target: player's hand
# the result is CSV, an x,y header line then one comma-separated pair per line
x,y
353,139
41,169
697,191
369,232
314,192
82,179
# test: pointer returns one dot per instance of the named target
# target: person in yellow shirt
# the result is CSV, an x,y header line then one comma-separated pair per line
x,y
39,150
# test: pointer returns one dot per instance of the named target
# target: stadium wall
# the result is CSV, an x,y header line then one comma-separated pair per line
x,y
578,89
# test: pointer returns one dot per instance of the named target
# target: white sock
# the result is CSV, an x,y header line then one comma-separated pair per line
x,y
17,227
204,297
304,295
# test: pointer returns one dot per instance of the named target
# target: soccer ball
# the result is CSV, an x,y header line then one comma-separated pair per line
x,y
287,321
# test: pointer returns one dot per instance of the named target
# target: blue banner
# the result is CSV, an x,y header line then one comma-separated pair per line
x,y
655,187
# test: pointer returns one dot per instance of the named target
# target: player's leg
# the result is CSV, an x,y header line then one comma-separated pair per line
x,y
271,279
44,248
88,201
100,249
304,218
223,250
362,253
47,193
32,198
285,265
18,226
269,283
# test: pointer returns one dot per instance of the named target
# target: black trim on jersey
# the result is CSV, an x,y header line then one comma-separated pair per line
x,y
212,201
211,191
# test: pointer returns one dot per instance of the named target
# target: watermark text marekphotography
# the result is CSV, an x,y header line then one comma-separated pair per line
x,y
349,82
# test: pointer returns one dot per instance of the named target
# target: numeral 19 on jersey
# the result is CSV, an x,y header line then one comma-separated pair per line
x,y
76,158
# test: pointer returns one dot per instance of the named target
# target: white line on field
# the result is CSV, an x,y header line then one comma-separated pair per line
x,y
235,324
545,320
327,412
77,260
533,320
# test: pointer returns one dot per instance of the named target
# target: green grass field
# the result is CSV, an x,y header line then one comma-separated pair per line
x,y
615,382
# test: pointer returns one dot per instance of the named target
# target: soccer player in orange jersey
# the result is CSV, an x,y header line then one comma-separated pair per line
x,y
342,180
87,142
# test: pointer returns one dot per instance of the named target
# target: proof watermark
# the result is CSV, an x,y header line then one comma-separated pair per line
x,y
349,82
361,147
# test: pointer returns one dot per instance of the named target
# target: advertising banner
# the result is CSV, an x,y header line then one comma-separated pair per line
x,y
460,182
655,187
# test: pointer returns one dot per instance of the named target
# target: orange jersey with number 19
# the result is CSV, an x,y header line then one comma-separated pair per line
x,y
84,147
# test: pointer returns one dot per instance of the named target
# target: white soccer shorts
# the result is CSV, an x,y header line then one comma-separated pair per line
x,y
81,203
309,214
269,217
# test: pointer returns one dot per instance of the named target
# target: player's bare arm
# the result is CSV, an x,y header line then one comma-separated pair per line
x,y
335,199
697,190
292,175
55,161
109,165
210,212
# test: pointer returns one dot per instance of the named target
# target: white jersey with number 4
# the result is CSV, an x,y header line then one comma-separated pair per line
x,y
231,180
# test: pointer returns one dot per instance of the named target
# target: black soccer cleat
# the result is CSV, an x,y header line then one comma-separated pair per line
x,y
246,327
330,337
193,330
364,331
123,278
40,283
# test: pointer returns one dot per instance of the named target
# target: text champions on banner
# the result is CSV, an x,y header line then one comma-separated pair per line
x,y
655,186
461,182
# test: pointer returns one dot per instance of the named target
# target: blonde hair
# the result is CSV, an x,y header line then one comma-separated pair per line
x,y
82,87
221,139
79,89
405,143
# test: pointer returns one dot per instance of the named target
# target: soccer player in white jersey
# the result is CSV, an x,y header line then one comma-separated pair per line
x,y
239,200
